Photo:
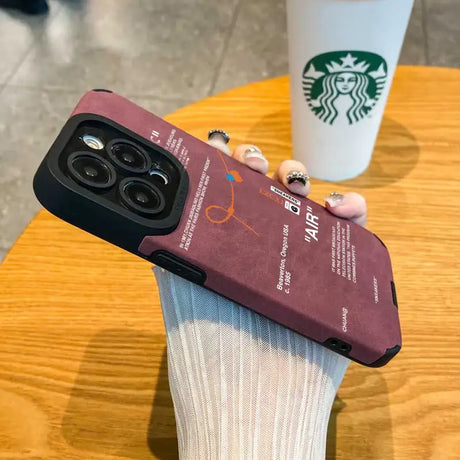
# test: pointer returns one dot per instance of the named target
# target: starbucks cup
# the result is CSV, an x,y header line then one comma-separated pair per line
x,y
342,58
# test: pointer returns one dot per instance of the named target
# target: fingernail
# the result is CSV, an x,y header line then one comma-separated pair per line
x,y
298,182
335,199
297,176
220,134
254,152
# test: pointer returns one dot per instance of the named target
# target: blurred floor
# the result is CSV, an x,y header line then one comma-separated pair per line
x,y
163,54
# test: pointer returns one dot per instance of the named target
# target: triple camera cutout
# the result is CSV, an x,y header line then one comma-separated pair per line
x,y
120,169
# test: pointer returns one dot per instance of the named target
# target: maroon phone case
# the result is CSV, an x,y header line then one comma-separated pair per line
x,y
280,255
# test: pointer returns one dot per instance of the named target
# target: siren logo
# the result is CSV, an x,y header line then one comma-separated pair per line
x,y
342,87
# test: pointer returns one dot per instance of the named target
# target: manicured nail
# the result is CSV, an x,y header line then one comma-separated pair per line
x,y
218,133
297,176
335,199
298,182
254,152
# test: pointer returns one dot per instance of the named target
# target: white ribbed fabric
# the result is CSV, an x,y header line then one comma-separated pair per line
x,y
243,386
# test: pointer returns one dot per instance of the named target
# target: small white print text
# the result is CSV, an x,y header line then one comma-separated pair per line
x,y
194,213
284,277
343,252
344,319
376,290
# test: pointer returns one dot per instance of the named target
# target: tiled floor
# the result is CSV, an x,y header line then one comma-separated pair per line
x,y
162,53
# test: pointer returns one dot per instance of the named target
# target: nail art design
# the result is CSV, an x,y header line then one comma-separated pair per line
x,y
219,132
297,176
335,199
254,152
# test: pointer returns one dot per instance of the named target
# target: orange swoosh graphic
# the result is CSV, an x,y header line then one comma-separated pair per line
x,y
230,211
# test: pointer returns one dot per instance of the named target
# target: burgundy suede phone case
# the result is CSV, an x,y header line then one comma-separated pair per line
x,y
280,255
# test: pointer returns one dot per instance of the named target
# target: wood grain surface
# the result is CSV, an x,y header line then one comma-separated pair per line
x,y
82,348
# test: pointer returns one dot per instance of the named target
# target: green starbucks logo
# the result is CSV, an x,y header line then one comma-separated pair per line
x,y
344,86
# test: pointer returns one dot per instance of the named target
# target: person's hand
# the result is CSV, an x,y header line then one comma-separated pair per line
x,y
350,205
243,386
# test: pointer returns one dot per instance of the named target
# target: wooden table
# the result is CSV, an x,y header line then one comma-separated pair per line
x,y
82,347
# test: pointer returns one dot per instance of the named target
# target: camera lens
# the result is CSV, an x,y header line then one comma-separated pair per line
x,y
129,156
141,196
156,171
93,142
91,170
